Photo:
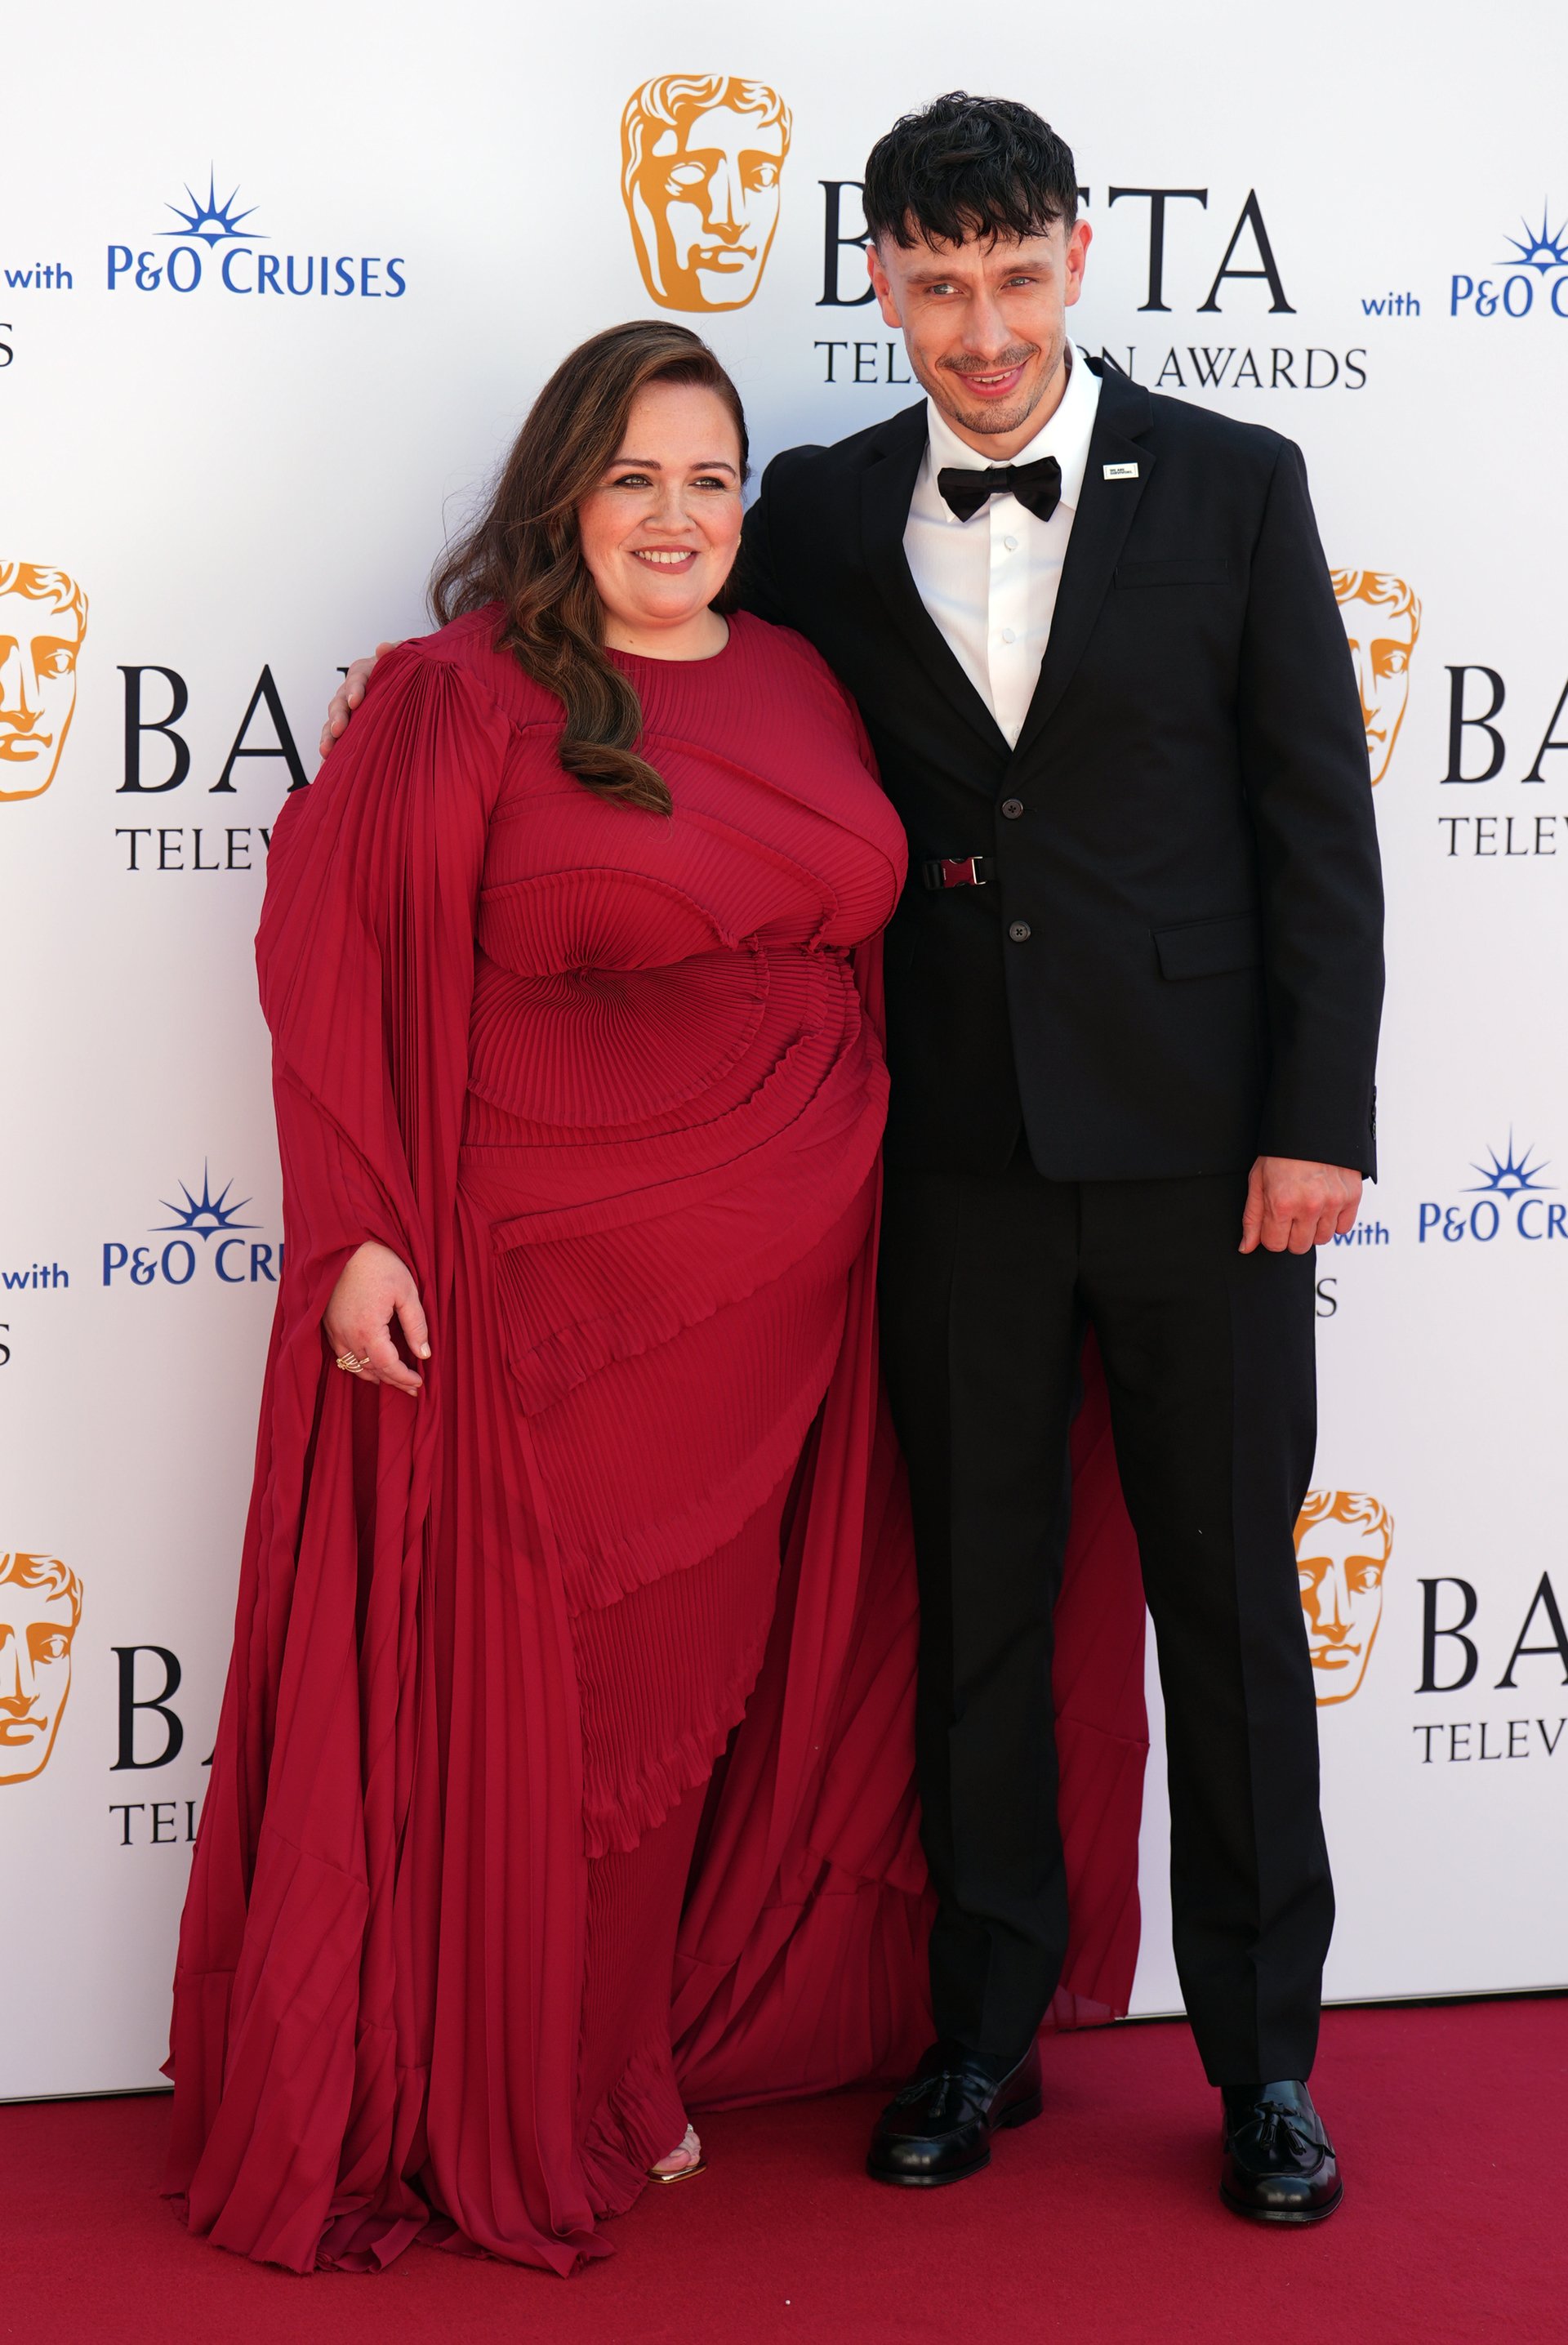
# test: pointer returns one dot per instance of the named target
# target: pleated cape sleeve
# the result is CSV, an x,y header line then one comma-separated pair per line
x,y
285,2029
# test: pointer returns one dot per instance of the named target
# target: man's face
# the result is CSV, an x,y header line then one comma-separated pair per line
x,y
1340,1568
38,647
1381,646
710,195
34,1676
985,325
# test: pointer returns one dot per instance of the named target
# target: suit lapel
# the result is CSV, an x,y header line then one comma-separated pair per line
x,y
887,487
1100,525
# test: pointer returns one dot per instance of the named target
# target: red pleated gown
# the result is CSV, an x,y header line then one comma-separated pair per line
x,y
564,1779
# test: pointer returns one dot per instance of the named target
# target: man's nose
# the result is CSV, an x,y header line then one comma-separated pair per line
x,y
986,331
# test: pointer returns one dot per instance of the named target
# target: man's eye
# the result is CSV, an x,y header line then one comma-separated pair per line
x,y
685,175
57,663
55,1648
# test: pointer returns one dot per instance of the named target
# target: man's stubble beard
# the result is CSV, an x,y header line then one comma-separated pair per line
x,y
988,422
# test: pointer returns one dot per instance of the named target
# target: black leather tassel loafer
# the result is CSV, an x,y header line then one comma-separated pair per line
x,y
938,2129
1278,2164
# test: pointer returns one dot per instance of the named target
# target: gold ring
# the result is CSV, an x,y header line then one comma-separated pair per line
x,y
351,1365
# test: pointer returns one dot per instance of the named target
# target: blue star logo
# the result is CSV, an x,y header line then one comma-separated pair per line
x,y
1542,248
1509,1176
206,1216
214,222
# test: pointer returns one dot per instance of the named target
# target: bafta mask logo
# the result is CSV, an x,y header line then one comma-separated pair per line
x,y
1383,620
43,619
701,159
1343,1542
40,1605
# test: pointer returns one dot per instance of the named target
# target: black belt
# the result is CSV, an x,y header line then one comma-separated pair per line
x,y
960,871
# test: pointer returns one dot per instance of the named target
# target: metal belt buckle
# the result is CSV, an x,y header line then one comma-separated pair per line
x,y
956,871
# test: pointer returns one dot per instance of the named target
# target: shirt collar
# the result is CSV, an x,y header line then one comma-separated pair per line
x,y
1064,435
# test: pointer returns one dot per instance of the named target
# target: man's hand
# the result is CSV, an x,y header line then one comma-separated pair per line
x,y
348,696
357,1319
1296,1205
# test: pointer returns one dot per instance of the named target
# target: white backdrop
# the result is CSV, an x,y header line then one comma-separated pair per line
x,y
252,476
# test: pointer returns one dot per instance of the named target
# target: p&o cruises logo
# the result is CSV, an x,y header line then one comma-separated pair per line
x,y
1511,1199
1530,281
212,246
240,1258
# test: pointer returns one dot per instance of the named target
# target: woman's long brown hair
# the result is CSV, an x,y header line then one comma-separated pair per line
x,y
524,551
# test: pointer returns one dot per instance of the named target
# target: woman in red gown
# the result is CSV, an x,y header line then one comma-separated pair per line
x,y
564,1778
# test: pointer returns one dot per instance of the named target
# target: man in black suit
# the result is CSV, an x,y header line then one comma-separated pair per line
x,y
1133,992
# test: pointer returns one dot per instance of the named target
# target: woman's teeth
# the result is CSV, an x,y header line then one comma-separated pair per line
x,y
664,560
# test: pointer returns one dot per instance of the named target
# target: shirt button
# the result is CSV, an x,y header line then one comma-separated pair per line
x,y
1012,809
1019,931
1011,543
1007,635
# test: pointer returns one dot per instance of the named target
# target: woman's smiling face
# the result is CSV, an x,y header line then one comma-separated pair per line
x,y
660,532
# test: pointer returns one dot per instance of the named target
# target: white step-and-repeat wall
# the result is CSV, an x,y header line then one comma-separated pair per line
x,y
275,291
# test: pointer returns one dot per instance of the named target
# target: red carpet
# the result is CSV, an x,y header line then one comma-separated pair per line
x,y
1099,2226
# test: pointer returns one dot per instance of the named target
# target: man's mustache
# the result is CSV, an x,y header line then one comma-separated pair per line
x,y
992,366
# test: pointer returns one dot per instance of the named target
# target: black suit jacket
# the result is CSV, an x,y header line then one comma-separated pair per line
x,y
1195,862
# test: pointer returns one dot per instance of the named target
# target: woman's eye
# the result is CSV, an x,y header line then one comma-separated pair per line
x,y
631,481
709,481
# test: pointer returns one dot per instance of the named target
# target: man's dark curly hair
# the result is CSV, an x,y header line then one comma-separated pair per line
x,y
966,167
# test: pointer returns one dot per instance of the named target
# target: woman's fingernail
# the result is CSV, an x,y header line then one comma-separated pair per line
x,y
424,1351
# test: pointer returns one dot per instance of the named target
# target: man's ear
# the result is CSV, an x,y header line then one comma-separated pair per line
x,y
881,285
1078,244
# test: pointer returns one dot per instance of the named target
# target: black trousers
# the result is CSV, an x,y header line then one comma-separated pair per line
x,y
988,1281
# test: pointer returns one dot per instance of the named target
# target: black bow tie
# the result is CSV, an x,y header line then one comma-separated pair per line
x,y
1036,486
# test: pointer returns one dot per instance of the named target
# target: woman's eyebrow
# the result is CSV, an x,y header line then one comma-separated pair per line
x,y
651,464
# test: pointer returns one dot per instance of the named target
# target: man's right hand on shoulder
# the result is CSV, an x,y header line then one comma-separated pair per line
x,y
348,696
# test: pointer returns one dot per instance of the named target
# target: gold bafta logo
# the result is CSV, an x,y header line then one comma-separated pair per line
x,y
43,619
1383,620
701,159
40,1606
1343,1542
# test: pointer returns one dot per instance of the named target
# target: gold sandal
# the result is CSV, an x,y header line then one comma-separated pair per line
x,y
690,2149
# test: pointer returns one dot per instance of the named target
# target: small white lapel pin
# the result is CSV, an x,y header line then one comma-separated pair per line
x,y
1121,472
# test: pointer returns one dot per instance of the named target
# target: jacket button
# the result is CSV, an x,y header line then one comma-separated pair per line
x,y
1012,809
1019,931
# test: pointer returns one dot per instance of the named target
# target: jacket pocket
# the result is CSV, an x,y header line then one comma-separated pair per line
x,y
1209,948
1172,573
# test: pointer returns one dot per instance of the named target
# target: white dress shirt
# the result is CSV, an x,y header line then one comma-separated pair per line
x,y
990,583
